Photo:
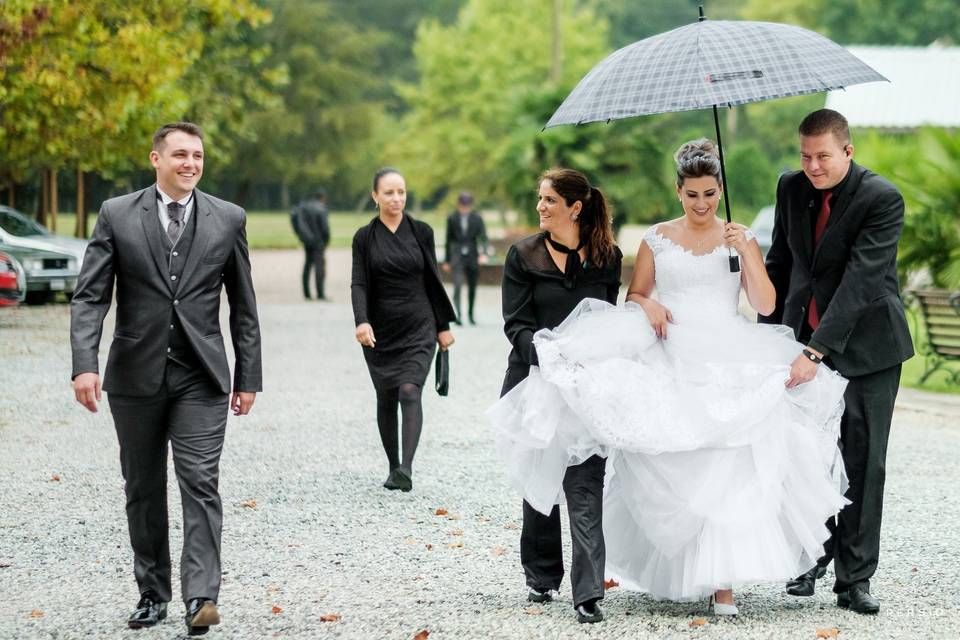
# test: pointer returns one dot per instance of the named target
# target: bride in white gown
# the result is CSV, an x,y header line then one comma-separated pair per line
x,y
721,468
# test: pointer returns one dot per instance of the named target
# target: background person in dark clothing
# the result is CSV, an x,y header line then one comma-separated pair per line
x,y
545,277
833,262
311,223
465,231
401,312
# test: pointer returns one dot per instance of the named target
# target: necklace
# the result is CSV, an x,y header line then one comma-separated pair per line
x,y
706,235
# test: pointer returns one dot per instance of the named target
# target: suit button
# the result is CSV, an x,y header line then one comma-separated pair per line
x,y
173,277
176,302
171,327
175,254
168,349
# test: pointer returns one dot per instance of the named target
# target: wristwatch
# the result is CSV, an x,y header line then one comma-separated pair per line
x,y
812,357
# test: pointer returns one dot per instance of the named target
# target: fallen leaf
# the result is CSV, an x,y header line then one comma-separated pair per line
x,y
532,611
698,622
55,478
455,545
411,541
440,512
483,519
610,584
453,516
276,609
422,635
828,633
249,504
330,617
429,546
914,570
497,551
36,613
511,525
418,578
456,532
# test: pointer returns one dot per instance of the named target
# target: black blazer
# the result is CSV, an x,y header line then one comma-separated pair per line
x,y
852,272
363,287
127,250
457,239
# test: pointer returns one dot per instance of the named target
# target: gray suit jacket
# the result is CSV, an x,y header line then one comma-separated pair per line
x,y
127,250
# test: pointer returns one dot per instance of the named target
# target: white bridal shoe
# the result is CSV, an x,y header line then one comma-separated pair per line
x,y
721,609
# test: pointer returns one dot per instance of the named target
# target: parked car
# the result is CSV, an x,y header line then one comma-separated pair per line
x,y
13,286
762,227
51,263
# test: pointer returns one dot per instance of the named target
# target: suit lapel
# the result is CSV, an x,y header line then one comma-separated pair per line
x,y
202,209
808,208
150,222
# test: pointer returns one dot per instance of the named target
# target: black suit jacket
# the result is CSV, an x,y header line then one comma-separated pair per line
x,y
457,239
127,251
852,272
313,224
363,286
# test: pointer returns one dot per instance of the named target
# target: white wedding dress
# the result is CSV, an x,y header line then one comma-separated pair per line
x,y
717,475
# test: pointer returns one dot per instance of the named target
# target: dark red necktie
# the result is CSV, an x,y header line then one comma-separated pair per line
x,y
813,316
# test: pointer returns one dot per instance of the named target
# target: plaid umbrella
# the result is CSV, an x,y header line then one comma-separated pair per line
x,y
710,64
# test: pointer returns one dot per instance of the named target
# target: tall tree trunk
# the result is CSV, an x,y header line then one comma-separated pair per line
x,y
11,194
285,196
54,198
80,230
44,196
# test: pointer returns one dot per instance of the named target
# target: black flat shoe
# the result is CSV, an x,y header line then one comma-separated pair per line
x,y
404,481
148,613
535,595
201,615
391,481
589,612
858,600
805,584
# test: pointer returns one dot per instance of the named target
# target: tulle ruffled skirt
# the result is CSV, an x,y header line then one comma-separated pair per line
x,y
717,475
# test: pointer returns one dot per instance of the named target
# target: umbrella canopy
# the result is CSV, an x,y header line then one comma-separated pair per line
x,y
711,63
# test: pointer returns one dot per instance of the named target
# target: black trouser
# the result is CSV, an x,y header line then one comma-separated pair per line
x,y
541,549
854,545
315,260
469,269
190,413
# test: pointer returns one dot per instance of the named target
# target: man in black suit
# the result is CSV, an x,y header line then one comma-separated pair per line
x,y
169,249
313,228
466,249
833,262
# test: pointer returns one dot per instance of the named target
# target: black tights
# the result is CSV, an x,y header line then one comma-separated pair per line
x,y
407,395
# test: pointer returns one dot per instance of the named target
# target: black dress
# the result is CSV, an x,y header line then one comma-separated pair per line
x,y
535,297
394,289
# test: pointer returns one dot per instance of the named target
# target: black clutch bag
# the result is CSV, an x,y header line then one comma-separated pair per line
x,y
442,372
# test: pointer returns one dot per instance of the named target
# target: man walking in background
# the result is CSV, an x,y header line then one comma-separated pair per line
x,y
833,262
466,249
169,249
312,225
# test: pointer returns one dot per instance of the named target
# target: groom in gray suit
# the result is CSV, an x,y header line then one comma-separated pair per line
x,y
169,249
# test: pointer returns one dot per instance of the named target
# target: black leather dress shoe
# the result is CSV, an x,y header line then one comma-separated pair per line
x,y
805,584
589,612
404,480
535,595
148,613
201,615
858,600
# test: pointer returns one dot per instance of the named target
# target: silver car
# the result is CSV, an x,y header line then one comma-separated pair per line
x,y
51,263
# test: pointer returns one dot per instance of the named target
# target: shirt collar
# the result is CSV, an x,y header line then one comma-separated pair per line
x,y
165,199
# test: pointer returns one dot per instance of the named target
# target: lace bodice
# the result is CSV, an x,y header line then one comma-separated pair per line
x,y
692,286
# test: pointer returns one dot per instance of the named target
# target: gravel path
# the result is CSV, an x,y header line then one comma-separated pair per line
x,y
308,530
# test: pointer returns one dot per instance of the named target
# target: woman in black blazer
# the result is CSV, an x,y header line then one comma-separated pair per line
x,y
402,313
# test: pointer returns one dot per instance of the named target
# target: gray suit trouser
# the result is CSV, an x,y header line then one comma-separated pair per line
x,y
190,413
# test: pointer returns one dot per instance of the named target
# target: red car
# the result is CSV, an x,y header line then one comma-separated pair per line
x,y
12,284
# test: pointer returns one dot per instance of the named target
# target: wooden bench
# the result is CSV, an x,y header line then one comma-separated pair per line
x,y
940,310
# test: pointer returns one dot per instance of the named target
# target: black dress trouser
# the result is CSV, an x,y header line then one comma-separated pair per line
x,y
190,413
541,549
469,270
854,545
314,260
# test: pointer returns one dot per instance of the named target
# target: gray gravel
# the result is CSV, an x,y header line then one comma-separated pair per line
x,y
325,538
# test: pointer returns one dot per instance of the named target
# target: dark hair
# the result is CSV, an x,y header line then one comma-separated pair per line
x,y
465,198
320,194
596,230
160,137
697,158
383,172
826,120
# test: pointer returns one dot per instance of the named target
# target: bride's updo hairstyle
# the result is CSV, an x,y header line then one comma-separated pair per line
x,y
596,229
697,158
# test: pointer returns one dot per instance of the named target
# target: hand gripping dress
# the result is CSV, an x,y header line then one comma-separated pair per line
x,y
717,475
